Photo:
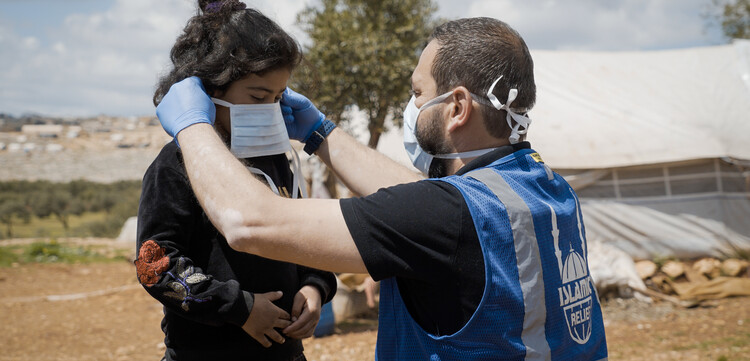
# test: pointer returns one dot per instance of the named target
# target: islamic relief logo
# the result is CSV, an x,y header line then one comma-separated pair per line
x,y
575,297
575,294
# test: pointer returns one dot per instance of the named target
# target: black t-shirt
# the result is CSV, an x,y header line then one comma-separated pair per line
x,y
422,233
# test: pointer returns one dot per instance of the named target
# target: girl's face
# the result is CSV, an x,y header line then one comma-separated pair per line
x,y
252,89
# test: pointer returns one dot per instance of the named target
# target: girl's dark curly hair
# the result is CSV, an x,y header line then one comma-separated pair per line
x,y
225,42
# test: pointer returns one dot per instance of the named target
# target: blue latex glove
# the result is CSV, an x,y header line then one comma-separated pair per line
x,y
302,118
186,103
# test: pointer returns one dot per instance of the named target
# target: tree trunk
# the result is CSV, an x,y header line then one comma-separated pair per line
x,y
374,138
64,220
376,127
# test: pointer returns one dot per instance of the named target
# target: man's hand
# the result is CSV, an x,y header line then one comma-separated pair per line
x,y
305,313
264,317
302,118
186,103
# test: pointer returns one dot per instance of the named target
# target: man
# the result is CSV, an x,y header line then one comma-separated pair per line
x,y
485,261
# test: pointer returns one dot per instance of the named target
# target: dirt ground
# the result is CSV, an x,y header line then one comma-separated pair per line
x,y
105,315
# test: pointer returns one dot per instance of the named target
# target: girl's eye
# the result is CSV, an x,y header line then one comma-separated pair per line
x,y
260,99
278,99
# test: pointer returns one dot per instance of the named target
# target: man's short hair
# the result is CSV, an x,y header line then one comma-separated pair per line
x,y
473,53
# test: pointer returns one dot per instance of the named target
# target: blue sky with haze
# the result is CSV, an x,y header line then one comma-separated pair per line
x,y
89,57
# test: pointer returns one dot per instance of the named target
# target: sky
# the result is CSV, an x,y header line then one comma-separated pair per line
x,y
79,58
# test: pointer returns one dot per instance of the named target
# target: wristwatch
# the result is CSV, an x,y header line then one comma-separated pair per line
x,y
318,136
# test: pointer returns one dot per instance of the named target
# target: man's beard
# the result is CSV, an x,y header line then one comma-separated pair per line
x,y
432,140
438,168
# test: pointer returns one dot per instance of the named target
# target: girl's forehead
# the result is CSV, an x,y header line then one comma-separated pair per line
x,y
273,81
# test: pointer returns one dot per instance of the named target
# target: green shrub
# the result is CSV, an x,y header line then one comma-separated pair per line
x,y
82,208
8,256
53,252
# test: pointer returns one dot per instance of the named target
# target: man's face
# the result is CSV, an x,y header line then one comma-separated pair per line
x,y
430,130
422,83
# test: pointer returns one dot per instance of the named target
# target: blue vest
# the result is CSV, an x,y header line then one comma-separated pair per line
x,y
539,300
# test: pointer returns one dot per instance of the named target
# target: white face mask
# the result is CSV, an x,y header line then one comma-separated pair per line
x,y
258,130
422,160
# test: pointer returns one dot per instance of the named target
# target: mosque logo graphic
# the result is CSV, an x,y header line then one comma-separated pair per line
x,y
576,292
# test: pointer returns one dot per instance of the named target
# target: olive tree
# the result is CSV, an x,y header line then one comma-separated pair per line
x,y
362,53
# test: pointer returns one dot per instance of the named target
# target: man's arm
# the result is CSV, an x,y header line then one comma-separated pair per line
x,y
310,232
362,169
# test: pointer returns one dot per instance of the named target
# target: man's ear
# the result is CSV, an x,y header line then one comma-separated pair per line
x,y
461,108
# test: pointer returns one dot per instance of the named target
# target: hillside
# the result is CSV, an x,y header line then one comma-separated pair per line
x,y
101,149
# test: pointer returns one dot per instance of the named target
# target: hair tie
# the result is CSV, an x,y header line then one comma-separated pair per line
x,y
215,6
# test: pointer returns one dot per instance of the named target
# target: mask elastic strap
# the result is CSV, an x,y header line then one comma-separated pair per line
x,y
222,102
298,179
522,122
469,154
435,100
268,179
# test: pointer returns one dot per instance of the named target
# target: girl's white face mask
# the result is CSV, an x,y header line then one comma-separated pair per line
x,y
258,130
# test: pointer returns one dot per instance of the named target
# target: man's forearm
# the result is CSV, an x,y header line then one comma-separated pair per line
x,y
362,169
310,232
218,179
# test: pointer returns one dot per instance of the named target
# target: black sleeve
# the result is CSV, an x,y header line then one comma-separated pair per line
x,y
324,281
169,219
410,230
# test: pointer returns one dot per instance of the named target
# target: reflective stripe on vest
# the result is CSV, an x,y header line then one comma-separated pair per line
x,y
528,259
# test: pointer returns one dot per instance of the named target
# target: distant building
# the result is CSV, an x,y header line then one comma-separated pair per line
x,y
53,148
74,131
43,131
29,147
14,147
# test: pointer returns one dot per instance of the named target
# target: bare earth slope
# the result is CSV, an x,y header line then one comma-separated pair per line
x,y
105,315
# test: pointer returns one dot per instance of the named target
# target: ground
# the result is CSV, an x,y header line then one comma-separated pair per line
x,y
105,315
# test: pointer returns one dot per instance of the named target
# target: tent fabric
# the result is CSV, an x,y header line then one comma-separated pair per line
x,y
614,109
727,213
646,233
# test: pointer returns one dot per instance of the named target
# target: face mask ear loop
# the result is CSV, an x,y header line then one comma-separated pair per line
x,y
298,178
221,102
495,102
521,121
268,179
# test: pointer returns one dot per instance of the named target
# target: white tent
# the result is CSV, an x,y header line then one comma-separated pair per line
x,y
616,109
657,145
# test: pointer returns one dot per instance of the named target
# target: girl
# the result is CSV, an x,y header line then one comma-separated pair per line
x,y
220,304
